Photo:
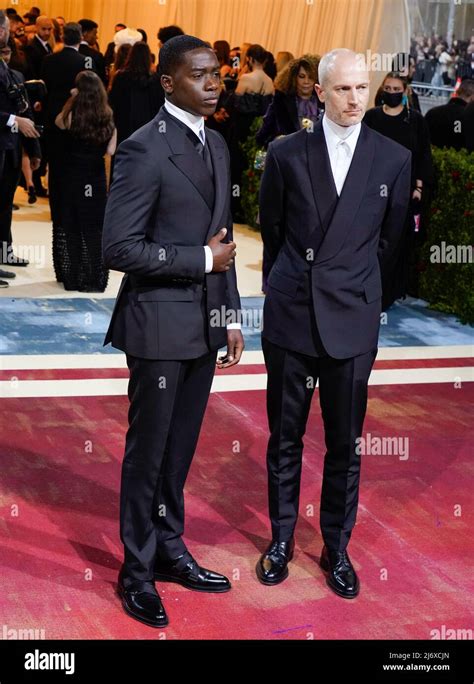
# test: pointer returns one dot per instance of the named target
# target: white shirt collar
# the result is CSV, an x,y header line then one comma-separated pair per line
x,y
44,43
194,122
333,133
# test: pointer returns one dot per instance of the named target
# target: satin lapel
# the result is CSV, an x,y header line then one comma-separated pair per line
x,y
322,182
184,156
350,199
221,180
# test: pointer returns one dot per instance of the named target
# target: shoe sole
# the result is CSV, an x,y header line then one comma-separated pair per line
x,y
166,578
135,617
325,567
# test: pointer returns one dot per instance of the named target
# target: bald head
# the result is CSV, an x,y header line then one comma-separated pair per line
x,y
44,26
343,86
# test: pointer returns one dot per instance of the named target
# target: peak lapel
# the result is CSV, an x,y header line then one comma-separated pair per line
x,y
350,199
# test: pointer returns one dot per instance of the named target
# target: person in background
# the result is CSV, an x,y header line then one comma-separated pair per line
x,y
251,99
59,73
397,121
89,47
282,59
16,129
135,95
58,38
39,47
145,40
109,55
87,121
447,123
121,57
167,32
295,103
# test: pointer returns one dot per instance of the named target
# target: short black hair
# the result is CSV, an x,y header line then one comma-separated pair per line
x,y
10,12
87,25
167,32
72,33
172,52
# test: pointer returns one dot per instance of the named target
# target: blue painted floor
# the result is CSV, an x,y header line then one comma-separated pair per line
x,y
78,326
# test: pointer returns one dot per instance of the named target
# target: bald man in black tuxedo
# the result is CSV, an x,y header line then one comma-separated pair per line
x,y
332,206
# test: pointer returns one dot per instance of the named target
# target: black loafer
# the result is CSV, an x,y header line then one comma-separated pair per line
x,y
140,600
185,570
341,576
7,274
3,283
272,567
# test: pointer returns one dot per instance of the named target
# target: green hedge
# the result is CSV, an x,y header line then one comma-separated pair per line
x,y
251,177
448,287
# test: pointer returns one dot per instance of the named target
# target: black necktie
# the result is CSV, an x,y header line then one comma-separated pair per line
x,y
203,151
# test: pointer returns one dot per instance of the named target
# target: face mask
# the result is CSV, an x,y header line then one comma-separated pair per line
x,y
392,99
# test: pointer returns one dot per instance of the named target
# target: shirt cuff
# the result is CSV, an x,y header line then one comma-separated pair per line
x,y
209,259
11,120
234,326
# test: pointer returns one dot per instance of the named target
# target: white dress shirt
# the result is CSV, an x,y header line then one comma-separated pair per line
x,y
341,142
196,124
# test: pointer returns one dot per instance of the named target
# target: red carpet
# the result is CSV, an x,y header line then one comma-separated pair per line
x,y
60,463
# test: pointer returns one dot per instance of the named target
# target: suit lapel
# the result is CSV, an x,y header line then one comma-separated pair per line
x,y
183,156
322,182
221,180
340,223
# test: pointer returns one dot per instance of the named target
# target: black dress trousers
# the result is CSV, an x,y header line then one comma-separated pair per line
x,y
343,398
167,404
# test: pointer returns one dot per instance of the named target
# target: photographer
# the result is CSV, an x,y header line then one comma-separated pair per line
x,y
16,129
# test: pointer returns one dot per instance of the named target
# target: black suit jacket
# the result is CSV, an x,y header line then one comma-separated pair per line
x,y
98,60
446,124
35,53
159,216
10,140
323,255
59,72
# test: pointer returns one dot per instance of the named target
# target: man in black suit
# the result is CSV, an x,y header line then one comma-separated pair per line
x,y
17,129
38,48
59,73
167,215
332,207
447,123
88,48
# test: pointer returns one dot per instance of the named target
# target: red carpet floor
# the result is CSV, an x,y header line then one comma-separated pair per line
x,y
60,551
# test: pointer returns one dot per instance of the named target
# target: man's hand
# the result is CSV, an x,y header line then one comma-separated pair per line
x,y
223,253
35,163
26,127
235,347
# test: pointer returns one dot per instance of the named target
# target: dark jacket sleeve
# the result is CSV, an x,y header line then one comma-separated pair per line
x,y
395,215
271,211
131,202
268,129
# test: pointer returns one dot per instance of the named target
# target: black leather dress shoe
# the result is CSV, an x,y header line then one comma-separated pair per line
x,y
3,283
184,570
140,600
7,274
341,577
272,567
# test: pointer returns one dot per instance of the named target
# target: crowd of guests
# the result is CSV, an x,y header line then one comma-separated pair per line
x,y
73,105
437,63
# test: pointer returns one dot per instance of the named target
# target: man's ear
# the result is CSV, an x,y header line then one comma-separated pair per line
x,y
319,92
167,84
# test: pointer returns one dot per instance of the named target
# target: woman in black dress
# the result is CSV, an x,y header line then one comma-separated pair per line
x,y
90,133
396,120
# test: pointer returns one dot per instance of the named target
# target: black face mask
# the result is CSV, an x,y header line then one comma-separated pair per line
x,y
392,99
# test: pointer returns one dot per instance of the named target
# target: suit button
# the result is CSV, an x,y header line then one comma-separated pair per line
x,y
204,289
